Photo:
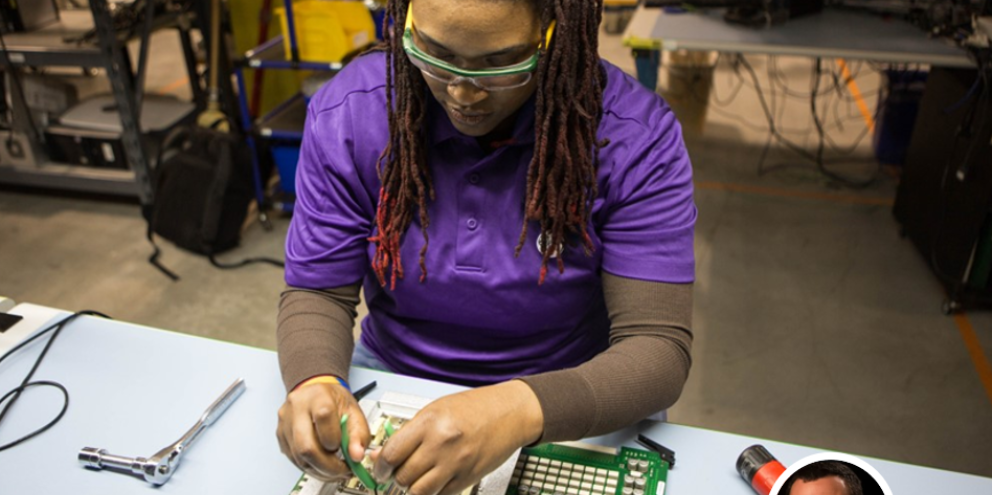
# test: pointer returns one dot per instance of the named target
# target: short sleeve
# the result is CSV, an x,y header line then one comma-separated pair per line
x,y
327,242
647,222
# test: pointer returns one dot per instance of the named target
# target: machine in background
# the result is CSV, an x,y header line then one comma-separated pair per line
x,y
944,200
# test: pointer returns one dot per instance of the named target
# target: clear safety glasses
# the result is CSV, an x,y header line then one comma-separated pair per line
x,y
493,79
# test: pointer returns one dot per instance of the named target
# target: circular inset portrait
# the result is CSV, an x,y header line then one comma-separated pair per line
x,y
832,474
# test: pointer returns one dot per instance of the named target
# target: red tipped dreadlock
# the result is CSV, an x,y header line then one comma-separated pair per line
x,y
561,178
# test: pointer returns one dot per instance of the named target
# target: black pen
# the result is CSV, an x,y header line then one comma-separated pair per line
x,y
666,453
362,392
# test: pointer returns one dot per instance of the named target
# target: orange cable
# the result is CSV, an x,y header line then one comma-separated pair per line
x,y
852,86
975,351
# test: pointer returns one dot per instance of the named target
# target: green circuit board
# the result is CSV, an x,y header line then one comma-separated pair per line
x,y
556,469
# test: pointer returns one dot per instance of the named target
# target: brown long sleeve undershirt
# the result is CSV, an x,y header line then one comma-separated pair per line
x,y
642,372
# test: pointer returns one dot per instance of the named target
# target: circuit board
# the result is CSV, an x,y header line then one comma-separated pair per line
x,y
579,469
353,485
394,409
552,469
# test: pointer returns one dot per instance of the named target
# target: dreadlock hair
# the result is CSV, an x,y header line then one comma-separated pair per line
x,y
561,177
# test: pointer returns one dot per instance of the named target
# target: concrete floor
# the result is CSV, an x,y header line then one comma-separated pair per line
x,y
815,322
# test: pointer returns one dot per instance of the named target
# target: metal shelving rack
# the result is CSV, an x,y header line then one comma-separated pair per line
x,y
285,122
47,47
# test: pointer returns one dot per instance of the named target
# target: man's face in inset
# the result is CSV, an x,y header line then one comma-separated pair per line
x,y
830,485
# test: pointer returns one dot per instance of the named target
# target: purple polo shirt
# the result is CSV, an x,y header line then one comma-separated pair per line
x,y
480,317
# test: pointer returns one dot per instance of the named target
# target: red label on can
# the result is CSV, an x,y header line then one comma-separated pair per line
x,y
766,477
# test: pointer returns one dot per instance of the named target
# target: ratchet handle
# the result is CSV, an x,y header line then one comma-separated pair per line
x,y
223,402
159,468
215,411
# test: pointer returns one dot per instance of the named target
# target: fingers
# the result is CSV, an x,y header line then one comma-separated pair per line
x,y
397,451
358,433
438,480
452,442
288,441
309,433
455,486
306,450
280,434
431,483
327,426
419,470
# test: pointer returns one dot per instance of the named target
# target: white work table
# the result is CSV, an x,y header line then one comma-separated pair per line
x,y
135,389
828,34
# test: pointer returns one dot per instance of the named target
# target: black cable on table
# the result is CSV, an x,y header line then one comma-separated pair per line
x,y
11,397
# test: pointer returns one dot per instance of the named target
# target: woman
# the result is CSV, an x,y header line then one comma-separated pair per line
x,y
488,142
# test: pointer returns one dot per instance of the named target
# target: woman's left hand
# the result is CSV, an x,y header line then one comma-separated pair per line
x,y
456,440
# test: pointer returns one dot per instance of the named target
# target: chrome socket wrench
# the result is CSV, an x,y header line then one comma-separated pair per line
x,y
158,468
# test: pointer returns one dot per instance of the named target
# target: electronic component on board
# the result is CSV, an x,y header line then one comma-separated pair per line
x,y
553,469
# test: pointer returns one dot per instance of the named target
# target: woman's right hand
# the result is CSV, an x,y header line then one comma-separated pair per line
x,y
309,429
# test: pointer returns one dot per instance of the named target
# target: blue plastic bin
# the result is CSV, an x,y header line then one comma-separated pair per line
x,y
647,63
286,157
897,115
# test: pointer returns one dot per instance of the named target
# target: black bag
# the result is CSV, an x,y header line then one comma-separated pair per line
x,y
203,185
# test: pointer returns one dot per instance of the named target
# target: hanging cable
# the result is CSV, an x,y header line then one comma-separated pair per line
x,y
817,157
11,397
854,183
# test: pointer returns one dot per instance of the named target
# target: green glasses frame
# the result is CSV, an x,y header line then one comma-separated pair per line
x,y
526,67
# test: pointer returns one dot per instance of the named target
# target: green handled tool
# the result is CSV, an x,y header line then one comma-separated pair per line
x,y
356,467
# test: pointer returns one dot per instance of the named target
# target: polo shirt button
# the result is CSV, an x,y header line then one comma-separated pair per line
x,y
472,224
473,179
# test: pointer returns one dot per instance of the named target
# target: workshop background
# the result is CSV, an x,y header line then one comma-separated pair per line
x,y
816,321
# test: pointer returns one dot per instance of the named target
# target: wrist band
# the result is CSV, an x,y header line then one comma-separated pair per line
x,y
343,383
325,379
